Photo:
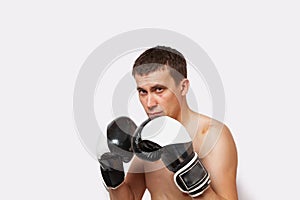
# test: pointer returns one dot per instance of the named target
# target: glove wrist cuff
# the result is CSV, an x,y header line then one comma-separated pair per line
x,y
192,178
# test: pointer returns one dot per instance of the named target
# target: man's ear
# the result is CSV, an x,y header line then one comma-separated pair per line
x,y
184,86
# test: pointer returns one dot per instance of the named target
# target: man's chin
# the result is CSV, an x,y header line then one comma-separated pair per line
x,y
155,115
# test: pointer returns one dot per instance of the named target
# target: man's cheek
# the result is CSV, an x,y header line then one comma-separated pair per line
x,y
143,104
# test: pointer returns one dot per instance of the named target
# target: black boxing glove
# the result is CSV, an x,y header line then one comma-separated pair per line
x,y
166,139
145,150
119,137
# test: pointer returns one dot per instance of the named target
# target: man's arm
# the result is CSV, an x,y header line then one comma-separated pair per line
x,y
221,163
134,186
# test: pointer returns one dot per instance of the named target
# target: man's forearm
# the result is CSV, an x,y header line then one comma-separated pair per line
x,y
122,192
210,194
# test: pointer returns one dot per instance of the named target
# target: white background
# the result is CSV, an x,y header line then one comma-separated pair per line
x,y
254,45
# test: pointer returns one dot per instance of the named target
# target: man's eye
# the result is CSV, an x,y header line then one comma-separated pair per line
x,y
142,92
159,90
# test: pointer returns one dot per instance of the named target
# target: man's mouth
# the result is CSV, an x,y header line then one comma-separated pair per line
x,y
155,114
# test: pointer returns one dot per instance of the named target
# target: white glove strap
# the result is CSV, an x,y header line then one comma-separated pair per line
x,y
189,171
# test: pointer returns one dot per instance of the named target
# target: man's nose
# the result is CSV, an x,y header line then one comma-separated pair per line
x,y
151,101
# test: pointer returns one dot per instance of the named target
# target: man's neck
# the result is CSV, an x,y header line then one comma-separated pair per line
x,y
185,114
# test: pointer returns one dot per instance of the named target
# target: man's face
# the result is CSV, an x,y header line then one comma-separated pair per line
x,y
159,94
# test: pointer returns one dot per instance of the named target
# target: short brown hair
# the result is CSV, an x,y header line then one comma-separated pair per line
x,y
157,58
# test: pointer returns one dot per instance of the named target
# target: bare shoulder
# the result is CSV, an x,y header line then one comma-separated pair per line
x,y
225,142
211,134
221,159
223,146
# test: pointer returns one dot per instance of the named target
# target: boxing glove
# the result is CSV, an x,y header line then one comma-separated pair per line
x,y
119,137
166,139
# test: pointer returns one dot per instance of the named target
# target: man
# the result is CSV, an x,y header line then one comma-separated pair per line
x,y
161,77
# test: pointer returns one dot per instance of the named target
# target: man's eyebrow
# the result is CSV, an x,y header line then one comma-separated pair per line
x,y
158,86
139,88
153,87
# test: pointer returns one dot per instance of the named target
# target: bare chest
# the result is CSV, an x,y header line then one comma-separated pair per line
x,y
160,183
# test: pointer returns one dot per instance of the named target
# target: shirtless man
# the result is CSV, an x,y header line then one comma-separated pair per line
x,y
161,77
